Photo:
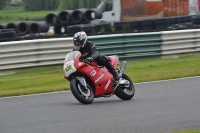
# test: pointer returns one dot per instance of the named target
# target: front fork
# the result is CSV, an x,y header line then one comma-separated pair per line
x,y
85,91
82,81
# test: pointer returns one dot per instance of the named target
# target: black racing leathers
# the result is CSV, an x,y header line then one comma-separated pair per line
x,y
89,50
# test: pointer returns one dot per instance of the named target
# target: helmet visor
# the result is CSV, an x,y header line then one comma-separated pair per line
x,y
77,48
77,43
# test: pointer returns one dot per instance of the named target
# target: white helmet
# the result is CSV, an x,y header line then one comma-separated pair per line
x,y
80,39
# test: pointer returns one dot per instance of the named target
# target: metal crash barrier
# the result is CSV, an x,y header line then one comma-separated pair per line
x,y
43,52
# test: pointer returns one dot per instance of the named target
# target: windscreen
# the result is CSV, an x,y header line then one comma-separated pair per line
x,y
71,55
106,5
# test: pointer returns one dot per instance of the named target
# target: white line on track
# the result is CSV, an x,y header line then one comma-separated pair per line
x,y
35,94
168,80
69,90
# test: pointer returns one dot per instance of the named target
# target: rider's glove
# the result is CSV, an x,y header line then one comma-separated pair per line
x,y
89,59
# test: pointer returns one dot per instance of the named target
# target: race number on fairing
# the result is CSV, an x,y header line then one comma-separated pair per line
x,y
69,68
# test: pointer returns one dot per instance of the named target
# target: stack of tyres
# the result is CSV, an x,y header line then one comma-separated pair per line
x,y
84,16
107,27
161,24
69,21
23,27
178,22
38,27
147,25
58,20
78,16
88,28
120,26
135,25
73,29
92,14
181,22
99,28
60,29
13,26
178,19
196,21
64,16
104,27
27,27
187,22
7,34
170,21
52,19
187,19
2,26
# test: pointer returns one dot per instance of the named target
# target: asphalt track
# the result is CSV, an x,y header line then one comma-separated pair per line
x,y
157,107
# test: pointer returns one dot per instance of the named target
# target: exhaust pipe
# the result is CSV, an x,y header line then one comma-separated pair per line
x,y
123,67
121,71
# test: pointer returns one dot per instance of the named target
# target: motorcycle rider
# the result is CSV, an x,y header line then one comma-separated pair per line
x,y
90,54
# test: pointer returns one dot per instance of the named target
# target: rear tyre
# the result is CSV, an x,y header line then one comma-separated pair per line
x,y
85,96
125,92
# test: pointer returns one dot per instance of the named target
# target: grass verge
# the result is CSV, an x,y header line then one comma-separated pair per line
x,y
18,14
187,131
48,79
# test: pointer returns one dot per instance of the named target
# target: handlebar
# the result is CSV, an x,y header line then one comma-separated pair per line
x,y
90,63
83,60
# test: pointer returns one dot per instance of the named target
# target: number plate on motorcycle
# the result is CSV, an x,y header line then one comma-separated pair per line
x,y
69,68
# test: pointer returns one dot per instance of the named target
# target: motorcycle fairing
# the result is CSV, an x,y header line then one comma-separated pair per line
x,y
114,60
100,79
69,68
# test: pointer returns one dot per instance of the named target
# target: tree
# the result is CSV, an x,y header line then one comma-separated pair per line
x,y
75,4
3,3
36,5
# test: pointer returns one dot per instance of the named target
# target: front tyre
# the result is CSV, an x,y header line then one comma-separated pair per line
x,y
83,95
125,91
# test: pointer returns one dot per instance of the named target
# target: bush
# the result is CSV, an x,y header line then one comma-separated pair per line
x,y
36,5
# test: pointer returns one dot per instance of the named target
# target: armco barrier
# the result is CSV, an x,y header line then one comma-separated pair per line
x,y
22,54
180,42
129,45
33,53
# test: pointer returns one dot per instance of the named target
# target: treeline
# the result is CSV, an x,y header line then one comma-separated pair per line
x,y
75,4
36,5
3,3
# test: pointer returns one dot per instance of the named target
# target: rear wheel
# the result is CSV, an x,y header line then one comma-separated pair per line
x,y
125,90
82,94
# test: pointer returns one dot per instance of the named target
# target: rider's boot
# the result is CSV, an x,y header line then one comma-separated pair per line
x,y
112,70
116,76
116,80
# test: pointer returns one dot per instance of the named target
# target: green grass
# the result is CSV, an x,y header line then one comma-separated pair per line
x,y
18,14
47,79
160,69
187,131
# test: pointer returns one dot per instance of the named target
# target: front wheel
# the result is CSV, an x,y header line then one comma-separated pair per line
x,y
82,94
126,89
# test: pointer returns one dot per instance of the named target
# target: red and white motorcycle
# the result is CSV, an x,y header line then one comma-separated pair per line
x,y
89,81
